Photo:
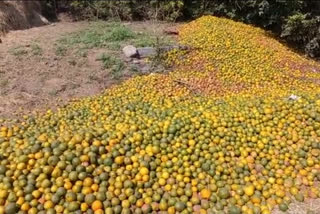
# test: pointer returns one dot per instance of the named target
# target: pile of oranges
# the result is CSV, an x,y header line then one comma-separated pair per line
x,y
235,128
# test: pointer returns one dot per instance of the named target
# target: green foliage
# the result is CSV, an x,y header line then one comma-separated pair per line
x,y
168,10
107,60
100,34
111,35
36,50
303,30
120,33
113,63
60,50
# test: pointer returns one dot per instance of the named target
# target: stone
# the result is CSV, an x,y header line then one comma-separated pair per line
x,y
130,51
146,52
150,51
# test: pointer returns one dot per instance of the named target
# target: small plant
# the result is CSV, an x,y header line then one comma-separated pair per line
x,y
100,34
53,93
83,52
113,63
36,50
4,83
117,69
18,51
121,33
61,50
107,60
134,69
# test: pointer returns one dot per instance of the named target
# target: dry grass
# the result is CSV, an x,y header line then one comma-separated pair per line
x,y
309,206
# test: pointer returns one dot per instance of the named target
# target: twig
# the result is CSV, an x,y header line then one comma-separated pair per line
x,y
188,86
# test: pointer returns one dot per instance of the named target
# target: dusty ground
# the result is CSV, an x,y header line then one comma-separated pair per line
x,y
34,74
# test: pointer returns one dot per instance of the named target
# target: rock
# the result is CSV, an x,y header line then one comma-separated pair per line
x,y
150,51
130,51
171,30
146,52
173,47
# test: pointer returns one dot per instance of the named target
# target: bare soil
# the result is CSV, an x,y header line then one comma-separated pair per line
x,y
34,77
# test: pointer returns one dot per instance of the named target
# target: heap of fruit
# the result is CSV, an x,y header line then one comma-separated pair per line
x,y
221,139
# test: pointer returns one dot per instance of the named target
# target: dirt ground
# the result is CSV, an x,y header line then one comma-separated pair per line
x,y
33,76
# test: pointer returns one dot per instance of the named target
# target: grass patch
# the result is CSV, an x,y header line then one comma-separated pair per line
x,y
4,83
100,34
113,63
108,61
61,50
120,33
111,35
36,50
18,51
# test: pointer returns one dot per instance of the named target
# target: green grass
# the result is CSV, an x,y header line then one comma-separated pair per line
x,y
108,61
18,51
21,50
99,34
61,50
115,65
111,35
36,50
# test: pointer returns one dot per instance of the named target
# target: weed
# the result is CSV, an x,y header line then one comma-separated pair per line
x,y
18,51
83,52
61,50
134,69
53,93
117,70
114,46
36,50
108,61
4,83
115,64
121,33
100,34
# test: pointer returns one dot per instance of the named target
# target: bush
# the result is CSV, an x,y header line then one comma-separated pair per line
x,y
304,31
168,10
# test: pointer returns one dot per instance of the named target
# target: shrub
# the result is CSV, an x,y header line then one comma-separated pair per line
x,y
304,31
